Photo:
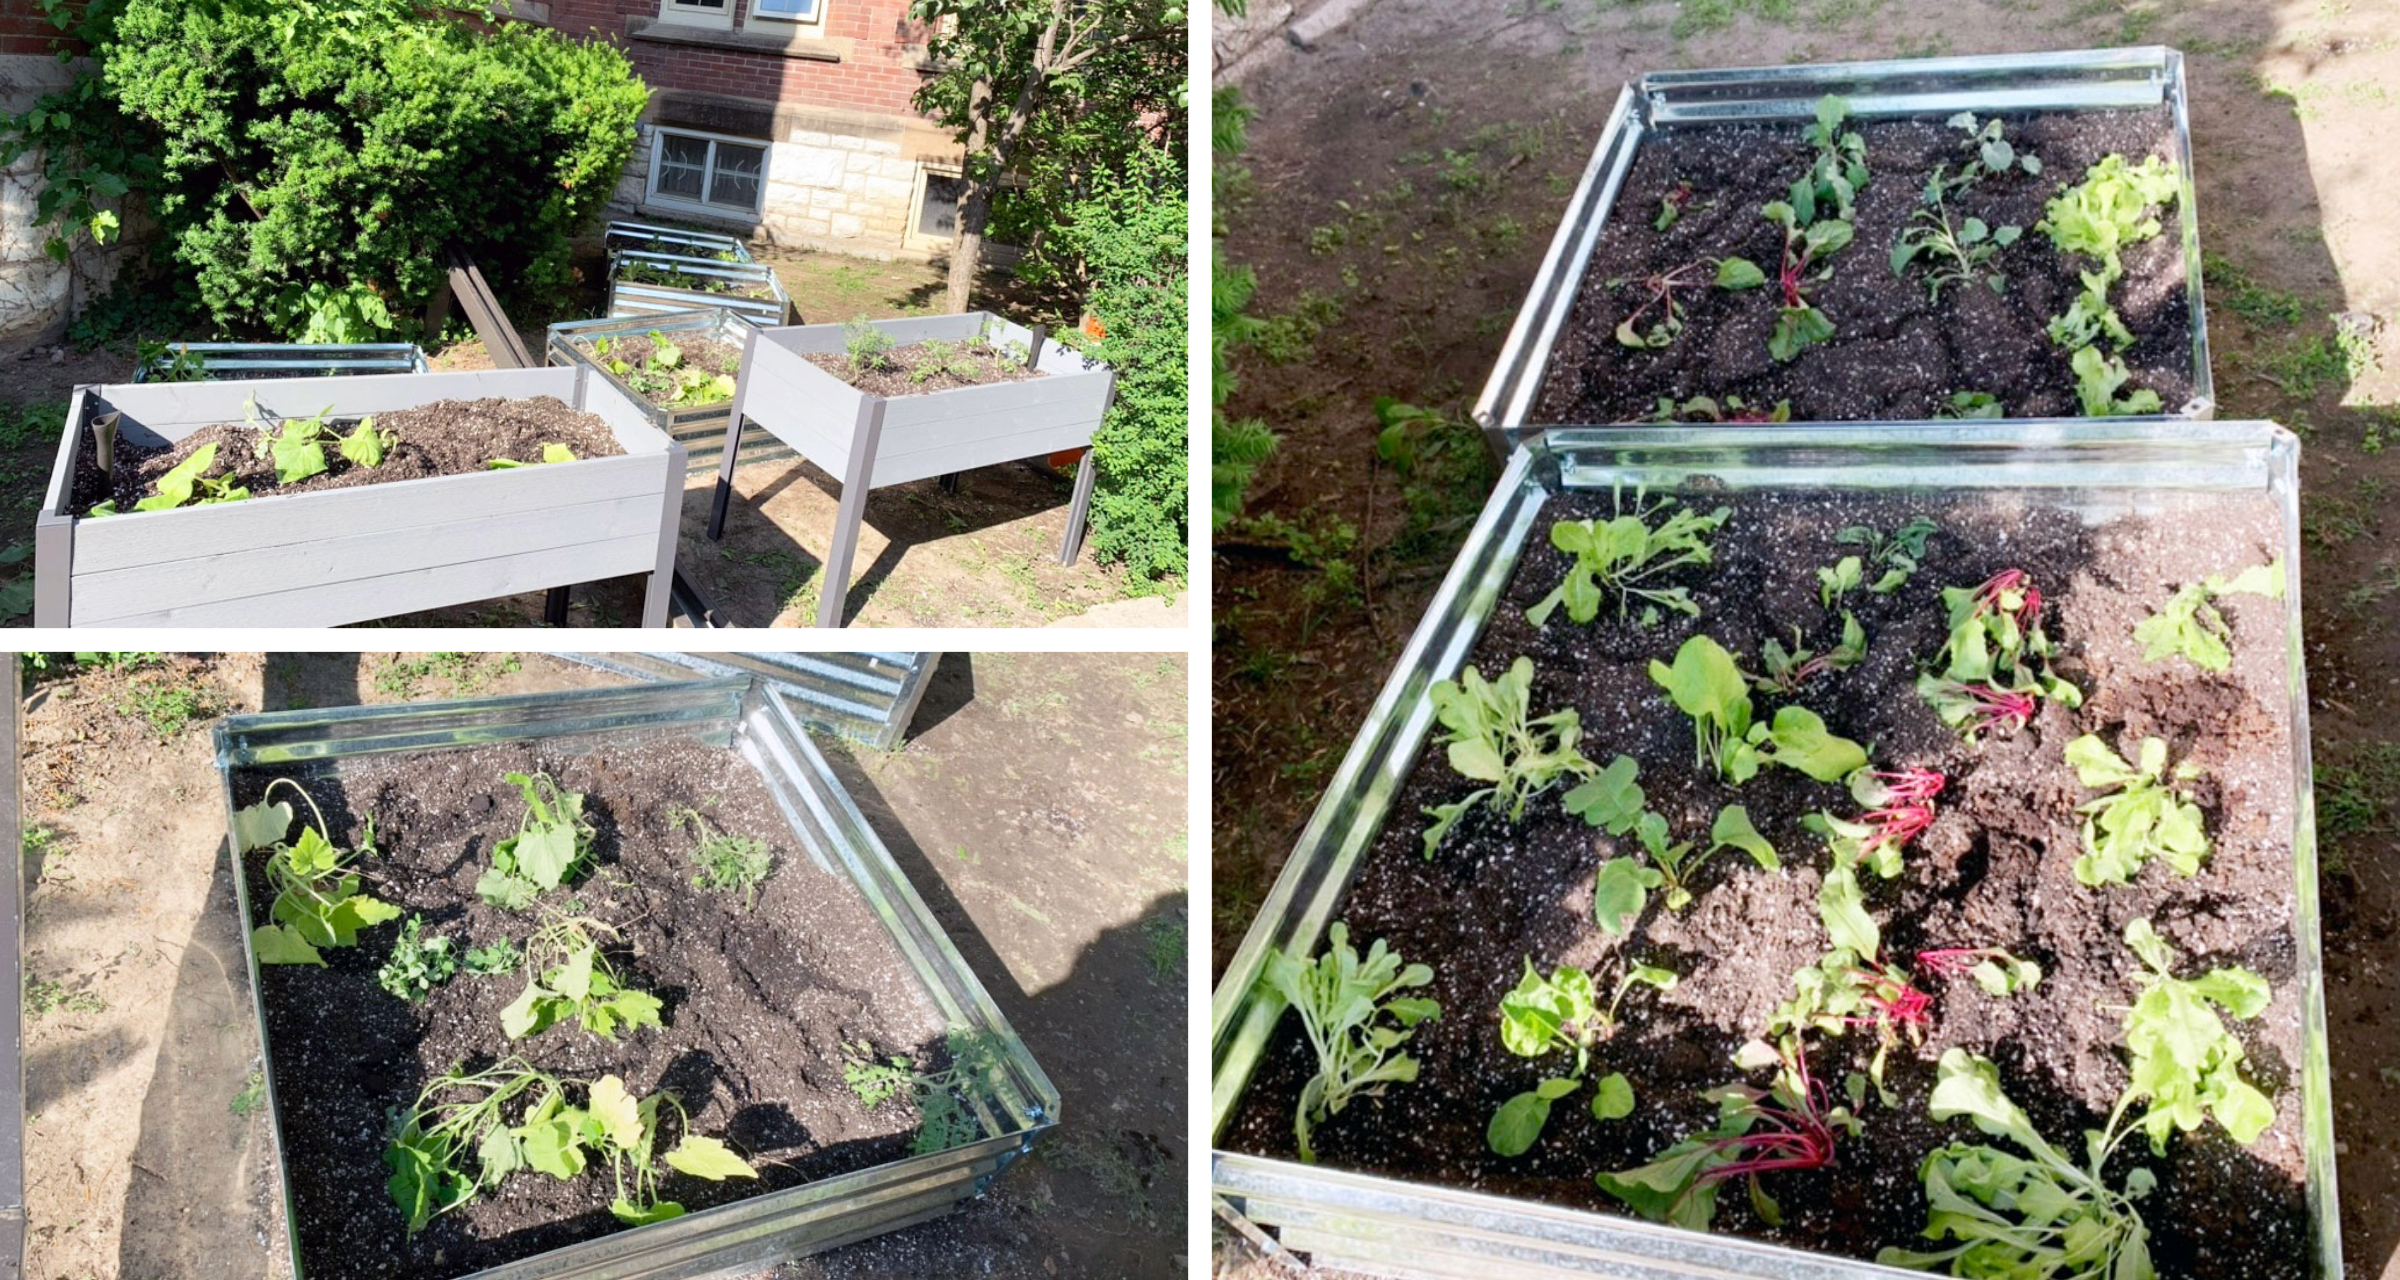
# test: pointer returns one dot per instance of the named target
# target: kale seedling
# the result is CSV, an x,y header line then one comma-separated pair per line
x,y
1996,661
1787,1127
2016,1217
1662,297
726,863
1787,669
418,964
1492,739
1624,556
575,979
1342,1000
1989,153
1706,685
317,898
1562,1012
2190,625
1897,554
1707,409
1953,252
2145,816
2184,1061
1899,807
1839,170
1799,323
552,843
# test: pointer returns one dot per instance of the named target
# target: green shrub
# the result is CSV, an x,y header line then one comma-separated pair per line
x,y
1131,234
319,154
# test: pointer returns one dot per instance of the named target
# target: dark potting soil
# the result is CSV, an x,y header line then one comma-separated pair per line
x,y
759,1003
445,438
658,387
1895,353
1993,870
940,364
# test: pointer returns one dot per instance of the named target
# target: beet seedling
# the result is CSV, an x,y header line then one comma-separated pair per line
x,y
1624,556
2145,816
1996,971
574,979
1785,1128
317,899
1663,296
1671,206
1553,1014
2190,625
552,844
1969,406
1492,738
1340,999
1788,669
1799,323
2183,1060
1996,661
1852,985
1899,807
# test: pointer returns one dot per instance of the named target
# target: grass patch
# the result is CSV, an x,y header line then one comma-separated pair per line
x,y
252,1097
43,998
2230,288
466,672
2357,796
1164,942
168,709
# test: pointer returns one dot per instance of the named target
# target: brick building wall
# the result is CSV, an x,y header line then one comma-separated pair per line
x,y
37,292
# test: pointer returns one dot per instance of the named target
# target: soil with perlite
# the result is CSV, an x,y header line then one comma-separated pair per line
x,y
920,367
1993,870
759,1002
1897,352
445,438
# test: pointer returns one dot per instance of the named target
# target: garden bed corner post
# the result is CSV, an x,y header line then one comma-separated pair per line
x,y
1087,474
733,442
857,482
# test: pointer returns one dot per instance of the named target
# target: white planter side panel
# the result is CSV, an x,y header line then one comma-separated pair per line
x,y
954,430
800,404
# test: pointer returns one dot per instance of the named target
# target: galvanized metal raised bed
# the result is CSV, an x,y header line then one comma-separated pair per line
x,y
629,297
335,556
652,238
869,441
745,716
700,429
866,697
1354,1221
1659,103
220,361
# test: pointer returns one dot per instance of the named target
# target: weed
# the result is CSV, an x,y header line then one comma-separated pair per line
x,y
1165,943
252,1097
2232,288
466,672
168,709
43,998
725,862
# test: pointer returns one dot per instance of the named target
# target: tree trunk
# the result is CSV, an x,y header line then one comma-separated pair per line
x,y
983,180
966,249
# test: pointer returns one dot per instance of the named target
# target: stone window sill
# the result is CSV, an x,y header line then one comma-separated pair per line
x,y
803,48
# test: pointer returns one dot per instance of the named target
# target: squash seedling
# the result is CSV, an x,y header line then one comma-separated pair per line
x,y
2146,814
1625,555
553,843
573,978
1343,1002
1493,738
181,483
1555,1014
550,453
2190,625
317,898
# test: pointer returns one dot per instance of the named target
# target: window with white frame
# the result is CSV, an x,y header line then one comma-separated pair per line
x,y
800,11
938,199
717,174
697,13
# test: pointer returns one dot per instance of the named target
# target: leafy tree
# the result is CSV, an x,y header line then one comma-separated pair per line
x,y
1048,93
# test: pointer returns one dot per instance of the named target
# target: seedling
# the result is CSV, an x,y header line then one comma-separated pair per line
x,y
493,958
366,443
553,843
1897,554
664,375
1625,556
935,359
1996,971
576,980
2184,1061
297,444
1970,405
868,346
2015,1217
2114,206
1899,807
1788,1127
1799,323
2190,625
181,482
2097,378
550,453
1663,292
1343,1001
1706,685
1708,409
1852,984
1996,661
1829,190
317,899
1671,206
2145,816
418,964
428,1156
1989,154
1788,669
1554,1014
726,863
1492,739
1953,252
944,1118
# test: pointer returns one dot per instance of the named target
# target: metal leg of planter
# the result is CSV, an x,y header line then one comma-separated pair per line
x,y
1079,511
733,445
857,479
554,611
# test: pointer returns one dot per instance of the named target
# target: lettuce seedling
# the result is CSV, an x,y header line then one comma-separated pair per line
x,y
1624,556
1996,971
317,899
1970,405
552,844
1708,409
2184,1061
2114,206
1492,739
574,979
2097,378
1341,999
2017,1218
2145,816
1558,1013
1799,323
2190,625
1996,662
1662,297
1787,1127
1899,807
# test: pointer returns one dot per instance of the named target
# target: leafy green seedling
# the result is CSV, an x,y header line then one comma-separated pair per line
x,y
1342,1001
1851,984
1787,1127
2000,974
1624,556
493,958
725,863
1709,409
1621,889
1837,173
366,443
2015,1216
1995,663
2144,816
1989,153
418,964
2184,1061
1663,305
552,844
317,899
1798,739
977,1065
2190,625
1492,739
1970,405
575,979
1787,669
1558,1013
2113,207
1706,685
1799,323
1897,554
2097,378
1951,251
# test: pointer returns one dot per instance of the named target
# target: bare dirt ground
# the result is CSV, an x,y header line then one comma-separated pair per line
x,y
984,556
1406,170
1059,877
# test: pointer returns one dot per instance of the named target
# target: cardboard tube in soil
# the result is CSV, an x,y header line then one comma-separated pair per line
x,y
104,442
